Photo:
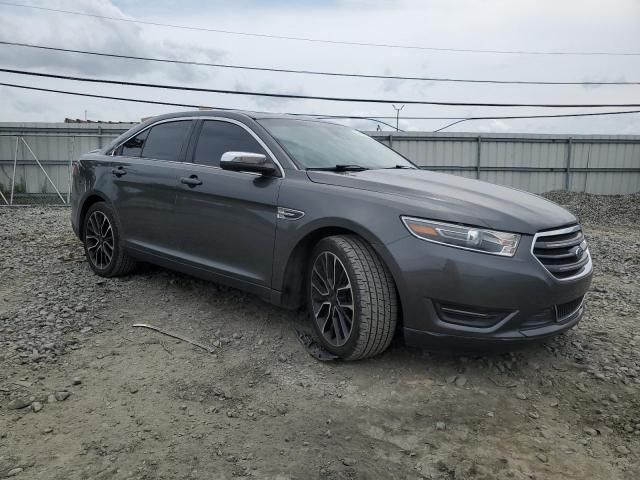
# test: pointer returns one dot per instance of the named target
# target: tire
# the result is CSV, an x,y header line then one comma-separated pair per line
x,y
101,233
373,298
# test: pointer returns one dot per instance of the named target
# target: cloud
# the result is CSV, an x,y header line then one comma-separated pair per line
x,y
84,33
270,103
576,25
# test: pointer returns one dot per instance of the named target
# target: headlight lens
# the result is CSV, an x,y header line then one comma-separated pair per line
x,y
468,238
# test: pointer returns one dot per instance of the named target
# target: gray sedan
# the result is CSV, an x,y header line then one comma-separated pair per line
x,y
305,213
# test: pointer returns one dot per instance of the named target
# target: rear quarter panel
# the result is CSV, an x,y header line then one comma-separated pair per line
x,y
93,178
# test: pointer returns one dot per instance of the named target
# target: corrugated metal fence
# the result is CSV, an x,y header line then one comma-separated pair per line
x,y
597,164
35,158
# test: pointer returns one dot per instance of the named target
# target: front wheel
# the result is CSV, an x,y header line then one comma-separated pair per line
x,y
352,299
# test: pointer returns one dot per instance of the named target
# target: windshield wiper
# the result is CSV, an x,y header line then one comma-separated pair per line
x,y
340,168
398,166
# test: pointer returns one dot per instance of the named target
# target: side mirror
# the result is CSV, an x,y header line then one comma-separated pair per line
x,y
247,162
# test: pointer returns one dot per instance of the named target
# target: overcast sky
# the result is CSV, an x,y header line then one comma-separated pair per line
x,y
567,25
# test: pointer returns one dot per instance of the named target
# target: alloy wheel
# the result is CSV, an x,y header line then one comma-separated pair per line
x,y
332,299
99,239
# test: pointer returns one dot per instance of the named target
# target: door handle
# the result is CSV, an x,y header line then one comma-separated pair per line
x,y
118,172
192,181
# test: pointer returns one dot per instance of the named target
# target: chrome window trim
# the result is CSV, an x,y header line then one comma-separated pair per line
x,y
587,268
220,119
188,163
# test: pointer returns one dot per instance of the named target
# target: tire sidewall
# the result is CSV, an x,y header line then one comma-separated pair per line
x,y
328,245
117,247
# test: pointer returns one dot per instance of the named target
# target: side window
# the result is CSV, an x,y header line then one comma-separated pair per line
x,y
133,146
217,137
165,140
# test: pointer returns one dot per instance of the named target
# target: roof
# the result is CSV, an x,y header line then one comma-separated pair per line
x,y
230,114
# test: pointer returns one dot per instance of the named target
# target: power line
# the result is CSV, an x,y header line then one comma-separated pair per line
x,y
309,72
174,104
511,117
312,97
451,125
318,40
348,117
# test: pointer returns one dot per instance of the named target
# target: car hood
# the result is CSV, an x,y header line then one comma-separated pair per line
x,y
451,198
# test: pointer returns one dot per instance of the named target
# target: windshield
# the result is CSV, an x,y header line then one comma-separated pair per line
x,y
325,145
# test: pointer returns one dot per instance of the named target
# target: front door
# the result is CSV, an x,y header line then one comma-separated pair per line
x,y
226,221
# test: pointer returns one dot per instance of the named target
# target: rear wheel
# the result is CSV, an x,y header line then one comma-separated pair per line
x,y
352,299
103,243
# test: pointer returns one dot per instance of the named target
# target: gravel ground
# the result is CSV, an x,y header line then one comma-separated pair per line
x,y
84,395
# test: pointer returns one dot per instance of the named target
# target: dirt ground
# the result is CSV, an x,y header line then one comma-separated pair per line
x,y
104,400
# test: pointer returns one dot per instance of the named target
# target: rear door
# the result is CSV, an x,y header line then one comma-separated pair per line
x,y
226,221
146,178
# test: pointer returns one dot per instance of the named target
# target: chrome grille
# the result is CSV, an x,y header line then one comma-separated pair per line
x,y
563,252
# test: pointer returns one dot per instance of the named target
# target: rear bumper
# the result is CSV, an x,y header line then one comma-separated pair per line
x,y
74,225
509,299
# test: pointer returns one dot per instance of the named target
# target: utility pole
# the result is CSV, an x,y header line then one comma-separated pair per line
x,y
397,109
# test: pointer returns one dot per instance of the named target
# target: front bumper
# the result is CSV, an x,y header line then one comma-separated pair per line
x,y
514,299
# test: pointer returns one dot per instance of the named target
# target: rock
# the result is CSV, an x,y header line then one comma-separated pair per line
x,y
347,461
283,409
441,426
36,406
133,390
14,472
51,398
592,432
521,396
76,381
542,457
534,415
282,358
19,403
622,450
461,380
62,395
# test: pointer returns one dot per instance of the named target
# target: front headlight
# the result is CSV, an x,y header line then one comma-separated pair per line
x,y
459,236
